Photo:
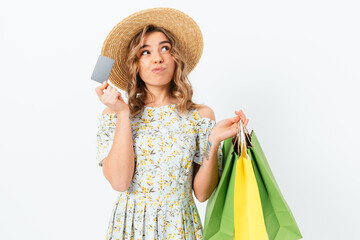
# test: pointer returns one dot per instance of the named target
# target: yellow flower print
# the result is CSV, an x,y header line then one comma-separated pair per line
x,y
192,123
174,153
174,190
171,175
196,115
162,115
196,220
188,163
145,153
173,139
111,117
150,142
150,113
162,145
146,121
149,180
174,119
161,181
144,189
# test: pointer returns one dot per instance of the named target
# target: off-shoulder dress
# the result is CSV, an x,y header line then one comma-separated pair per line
x,y
159,203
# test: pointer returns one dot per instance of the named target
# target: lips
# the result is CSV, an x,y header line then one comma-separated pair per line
x,y
157,70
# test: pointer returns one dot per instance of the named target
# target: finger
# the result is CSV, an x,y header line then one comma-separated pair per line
x,y
108,91
120,98
115,92
243,121
99,89
240,113
103,85
235,119
108,94
112,90
246,122
234,127
113,95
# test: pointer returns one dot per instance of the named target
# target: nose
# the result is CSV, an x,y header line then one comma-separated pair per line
x,y
158,57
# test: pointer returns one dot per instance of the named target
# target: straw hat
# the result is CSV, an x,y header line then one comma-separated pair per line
x,y
183,27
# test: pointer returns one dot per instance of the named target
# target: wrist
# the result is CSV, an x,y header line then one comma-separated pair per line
x,y
123,113
213,140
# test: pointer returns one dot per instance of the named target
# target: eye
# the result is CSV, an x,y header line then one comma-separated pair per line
x,y
166,47
143,52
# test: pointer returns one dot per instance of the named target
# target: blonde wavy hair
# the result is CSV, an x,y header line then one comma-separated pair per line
x,y
180,86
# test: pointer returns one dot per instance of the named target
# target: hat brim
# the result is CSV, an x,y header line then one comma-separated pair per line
x,y
182,26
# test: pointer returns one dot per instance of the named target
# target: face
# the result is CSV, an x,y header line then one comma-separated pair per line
x,y
155,53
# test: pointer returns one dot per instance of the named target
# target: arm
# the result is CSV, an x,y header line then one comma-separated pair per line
x,y
206,176
118,166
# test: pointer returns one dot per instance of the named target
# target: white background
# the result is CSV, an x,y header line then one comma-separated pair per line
x,y
291,66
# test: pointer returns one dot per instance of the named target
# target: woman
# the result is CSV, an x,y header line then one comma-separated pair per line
x,y
160,146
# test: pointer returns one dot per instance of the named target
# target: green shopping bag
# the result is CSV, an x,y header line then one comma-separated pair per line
x,y
279,221
219,215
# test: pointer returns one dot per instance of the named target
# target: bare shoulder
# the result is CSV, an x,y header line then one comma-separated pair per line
x,y
206,112
107,110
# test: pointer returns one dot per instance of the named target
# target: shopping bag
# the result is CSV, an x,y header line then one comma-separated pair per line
x,y
219,214
279,221
234,209
248,214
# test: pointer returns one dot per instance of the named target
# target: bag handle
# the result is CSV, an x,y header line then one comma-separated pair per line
x,y
240,139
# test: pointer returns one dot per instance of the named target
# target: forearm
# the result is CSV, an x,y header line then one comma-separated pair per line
x,y
207,176
118,168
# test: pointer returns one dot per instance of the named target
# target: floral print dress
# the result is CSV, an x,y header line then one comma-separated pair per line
x,y
159,203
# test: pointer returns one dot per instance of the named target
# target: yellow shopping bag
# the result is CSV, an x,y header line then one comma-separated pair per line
x,y
248,215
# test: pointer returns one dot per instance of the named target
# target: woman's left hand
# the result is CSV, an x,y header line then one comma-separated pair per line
x,y
227,128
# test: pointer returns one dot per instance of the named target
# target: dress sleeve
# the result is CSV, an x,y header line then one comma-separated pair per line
x,y
106,124
203,129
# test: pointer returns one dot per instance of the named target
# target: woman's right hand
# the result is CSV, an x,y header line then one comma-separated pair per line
x,y
111,98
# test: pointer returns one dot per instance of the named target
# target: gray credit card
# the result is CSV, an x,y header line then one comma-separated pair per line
x,y
102,69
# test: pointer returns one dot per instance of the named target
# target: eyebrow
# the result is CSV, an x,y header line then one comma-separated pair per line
x,y
159,44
